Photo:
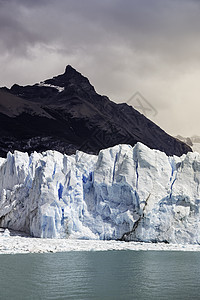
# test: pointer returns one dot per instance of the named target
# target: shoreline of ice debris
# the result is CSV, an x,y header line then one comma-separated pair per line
x,y
11,243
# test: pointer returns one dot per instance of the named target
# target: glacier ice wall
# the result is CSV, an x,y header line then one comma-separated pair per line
x,y
123,193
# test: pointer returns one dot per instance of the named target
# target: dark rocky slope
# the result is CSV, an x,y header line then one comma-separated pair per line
x,y
65,114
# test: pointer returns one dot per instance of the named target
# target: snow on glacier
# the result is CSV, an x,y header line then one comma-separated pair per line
x,y
131,192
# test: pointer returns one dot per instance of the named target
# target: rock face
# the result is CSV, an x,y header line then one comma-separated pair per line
x,y
123,193
66,114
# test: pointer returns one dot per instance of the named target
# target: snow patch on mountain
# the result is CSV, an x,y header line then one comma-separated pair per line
x,y
124,193
59,88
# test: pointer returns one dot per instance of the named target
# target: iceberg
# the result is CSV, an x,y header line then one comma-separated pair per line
x,y
124,193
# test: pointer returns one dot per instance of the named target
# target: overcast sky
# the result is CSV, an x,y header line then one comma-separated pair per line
x,y
150,46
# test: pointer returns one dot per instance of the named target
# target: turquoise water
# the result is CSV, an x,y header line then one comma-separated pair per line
x,y
101,275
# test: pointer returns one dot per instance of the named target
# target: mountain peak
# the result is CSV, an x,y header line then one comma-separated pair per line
x,y
70,76
71,73
70,69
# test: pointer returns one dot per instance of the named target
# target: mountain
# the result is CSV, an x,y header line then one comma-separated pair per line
x,y
186,140
65,113
123,193
193,142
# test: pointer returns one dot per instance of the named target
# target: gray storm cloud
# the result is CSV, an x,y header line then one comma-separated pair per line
x,y
122,46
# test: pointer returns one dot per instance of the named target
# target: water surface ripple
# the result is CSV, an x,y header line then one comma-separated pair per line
x,y
101,275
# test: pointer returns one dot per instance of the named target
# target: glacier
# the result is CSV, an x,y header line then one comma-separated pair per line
x,y
124,193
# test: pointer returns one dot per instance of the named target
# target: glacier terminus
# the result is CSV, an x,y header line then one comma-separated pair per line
x,y
123,193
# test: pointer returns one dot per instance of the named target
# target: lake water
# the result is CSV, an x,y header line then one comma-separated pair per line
x,y
101,275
